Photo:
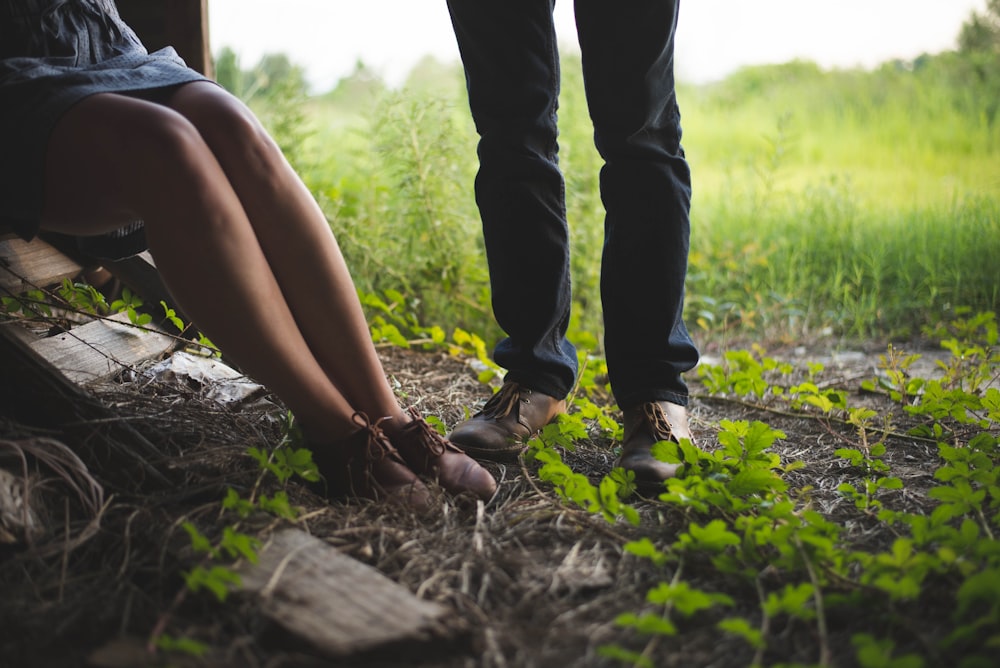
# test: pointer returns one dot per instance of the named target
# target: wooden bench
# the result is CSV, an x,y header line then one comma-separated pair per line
x,y
46,372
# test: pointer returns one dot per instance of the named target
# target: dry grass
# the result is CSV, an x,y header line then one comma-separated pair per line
x,y
531,581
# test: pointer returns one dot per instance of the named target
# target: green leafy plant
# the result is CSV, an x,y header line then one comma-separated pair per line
x,y
128,303
187,646
85,298
30,304
746,520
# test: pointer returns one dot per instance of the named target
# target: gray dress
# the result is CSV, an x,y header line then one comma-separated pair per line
x,y
54,53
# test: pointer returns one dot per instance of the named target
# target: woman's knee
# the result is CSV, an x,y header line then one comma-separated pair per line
x,y
229,127
172,157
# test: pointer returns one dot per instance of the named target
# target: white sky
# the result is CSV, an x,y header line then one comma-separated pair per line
x,y
714,38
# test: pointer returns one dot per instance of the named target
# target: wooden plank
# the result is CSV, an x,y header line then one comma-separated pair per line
x,y
37,261
138,272
35,393
16,329
101,348
338,604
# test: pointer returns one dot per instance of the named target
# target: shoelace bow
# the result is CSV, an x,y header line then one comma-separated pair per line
x,y
377,446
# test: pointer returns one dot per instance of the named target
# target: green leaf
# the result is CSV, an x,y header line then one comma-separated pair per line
x,y
188,646
874,653
218,580
645,548
199,543
793,600
979,587
853,455
236,503
648,623
278,505
240,544
889,482
991,402
714,536
618,653
741,627
755,481
684,599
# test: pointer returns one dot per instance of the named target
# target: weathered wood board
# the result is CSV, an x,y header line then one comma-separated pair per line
x,y
38,262
44,378
339,605
33,391
102,348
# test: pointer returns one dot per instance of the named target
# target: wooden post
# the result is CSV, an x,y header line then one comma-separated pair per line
x,y
182,24
187,29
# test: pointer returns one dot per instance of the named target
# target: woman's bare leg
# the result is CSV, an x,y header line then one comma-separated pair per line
x,y
298,244
249,256
308,265
113,158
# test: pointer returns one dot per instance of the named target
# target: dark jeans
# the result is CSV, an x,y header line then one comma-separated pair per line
x,y
511,64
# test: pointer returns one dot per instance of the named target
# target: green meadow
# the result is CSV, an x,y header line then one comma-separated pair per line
x,y
829,206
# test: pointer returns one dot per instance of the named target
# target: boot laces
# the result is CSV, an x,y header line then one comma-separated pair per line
x,y
501,404
428,437
376,446
658,422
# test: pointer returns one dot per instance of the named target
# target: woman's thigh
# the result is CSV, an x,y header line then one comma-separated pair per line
x,y
110,157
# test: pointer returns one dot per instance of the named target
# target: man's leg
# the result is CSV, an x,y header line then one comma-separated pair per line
x,y
627,51
511,64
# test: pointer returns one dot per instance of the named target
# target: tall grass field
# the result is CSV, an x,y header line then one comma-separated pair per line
x,y
829,206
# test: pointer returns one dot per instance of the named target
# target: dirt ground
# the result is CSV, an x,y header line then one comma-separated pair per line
x,y
530,580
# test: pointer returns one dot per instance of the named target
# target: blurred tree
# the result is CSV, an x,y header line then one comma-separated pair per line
x,y
433,78
979,49
359,90
228,72
981,33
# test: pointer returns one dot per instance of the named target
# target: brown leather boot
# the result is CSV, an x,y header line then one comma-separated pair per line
x,y
366,465
646,424
429,454
500,431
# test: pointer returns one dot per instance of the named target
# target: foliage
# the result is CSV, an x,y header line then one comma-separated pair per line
x,y
860,202
979,46
746,522
276,90
213,572
843,203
